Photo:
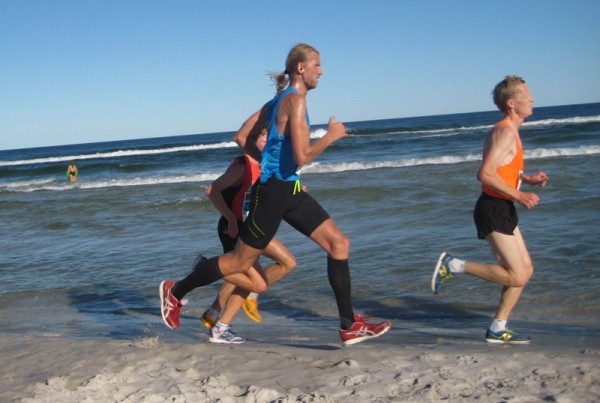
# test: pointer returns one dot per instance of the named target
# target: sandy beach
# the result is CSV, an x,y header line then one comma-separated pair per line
x,y
79,305
55,369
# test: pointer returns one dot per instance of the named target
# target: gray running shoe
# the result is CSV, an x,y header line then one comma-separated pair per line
x,y
224,337
441,273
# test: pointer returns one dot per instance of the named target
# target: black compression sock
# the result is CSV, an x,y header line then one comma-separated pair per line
x,y
338,272
205,272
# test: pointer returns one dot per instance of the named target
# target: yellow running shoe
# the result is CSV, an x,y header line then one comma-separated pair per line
x,y
208,319
251,308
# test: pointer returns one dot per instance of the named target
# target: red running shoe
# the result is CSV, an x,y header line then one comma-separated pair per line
x,y
361,330
169,305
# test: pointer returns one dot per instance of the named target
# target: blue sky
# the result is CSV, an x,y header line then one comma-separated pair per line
x,y
85,71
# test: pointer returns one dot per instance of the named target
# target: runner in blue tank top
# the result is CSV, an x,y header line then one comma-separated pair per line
x,y
277,157
278,196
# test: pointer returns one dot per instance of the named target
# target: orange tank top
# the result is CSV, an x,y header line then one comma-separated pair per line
x,y
511,172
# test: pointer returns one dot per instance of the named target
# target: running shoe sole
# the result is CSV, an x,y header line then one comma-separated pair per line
x,y
438,266
493,340
162,306
230,338
221,341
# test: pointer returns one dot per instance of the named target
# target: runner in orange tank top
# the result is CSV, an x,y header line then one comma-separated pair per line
x,y
501,174
511,172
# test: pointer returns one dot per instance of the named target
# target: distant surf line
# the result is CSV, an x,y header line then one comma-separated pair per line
x,y
120,153
451,131
446,159
56,185
128,153
314,168
316,134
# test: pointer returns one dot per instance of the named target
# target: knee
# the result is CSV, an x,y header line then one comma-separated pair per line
x,y
258,284
522,278
340,246
289,264
260,288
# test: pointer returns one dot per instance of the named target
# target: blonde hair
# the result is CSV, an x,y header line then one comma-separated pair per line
x,y
298,54
505,90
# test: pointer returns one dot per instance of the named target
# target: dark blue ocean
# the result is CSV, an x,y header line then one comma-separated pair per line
x,y
85,260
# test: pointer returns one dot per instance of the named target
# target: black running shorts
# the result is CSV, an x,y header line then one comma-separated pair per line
x,y
277,200
227,241
494,214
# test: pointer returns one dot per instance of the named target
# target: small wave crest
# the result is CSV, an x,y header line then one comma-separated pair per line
x,y
452,131
562,152
361,166
54,185
566,121
23,184
315,134
120,153
446,159
318,133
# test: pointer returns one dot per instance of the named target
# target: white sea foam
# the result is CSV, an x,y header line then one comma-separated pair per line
x,y
361,166
451,131
566,121
55,185
120,153
314,168
128,153
562,152
22,184
445,132
446,159
316,134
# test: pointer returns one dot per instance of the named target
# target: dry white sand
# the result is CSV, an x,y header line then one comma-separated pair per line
x,y
55,369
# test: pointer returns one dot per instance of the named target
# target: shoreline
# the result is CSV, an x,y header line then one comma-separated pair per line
x,y
160,368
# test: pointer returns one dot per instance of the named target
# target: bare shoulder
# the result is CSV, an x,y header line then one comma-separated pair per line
x,y
293,105
500,145
294,98
501,135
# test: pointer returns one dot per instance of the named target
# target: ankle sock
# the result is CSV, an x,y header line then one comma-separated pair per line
x,y
219,327
498,326
456,266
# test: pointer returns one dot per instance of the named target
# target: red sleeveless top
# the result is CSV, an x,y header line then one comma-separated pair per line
x,y
251,174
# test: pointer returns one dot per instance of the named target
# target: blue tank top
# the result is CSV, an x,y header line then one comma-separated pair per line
x,y
278,156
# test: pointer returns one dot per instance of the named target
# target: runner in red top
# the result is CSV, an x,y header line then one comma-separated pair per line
x,y
227,195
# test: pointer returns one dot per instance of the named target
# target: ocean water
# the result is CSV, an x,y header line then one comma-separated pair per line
x,y
85,260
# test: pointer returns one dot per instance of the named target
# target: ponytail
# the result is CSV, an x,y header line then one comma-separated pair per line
x,y
279,80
